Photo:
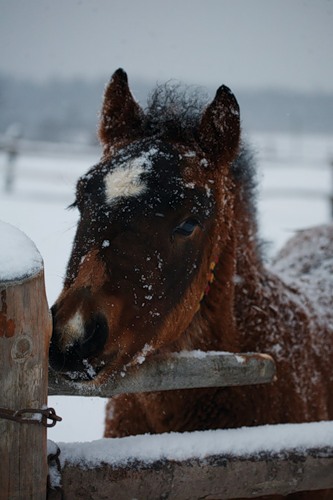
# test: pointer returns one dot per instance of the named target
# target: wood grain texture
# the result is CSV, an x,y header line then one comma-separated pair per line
x,y
176,371
25,330
216,477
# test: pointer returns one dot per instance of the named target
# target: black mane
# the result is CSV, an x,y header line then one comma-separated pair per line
x,y
174,112
244,171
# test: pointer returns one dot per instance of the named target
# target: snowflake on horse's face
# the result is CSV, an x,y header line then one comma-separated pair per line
x,y
166,258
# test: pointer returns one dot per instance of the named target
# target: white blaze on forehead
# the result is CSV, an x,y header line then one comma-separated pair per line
x,y
126,179
124,182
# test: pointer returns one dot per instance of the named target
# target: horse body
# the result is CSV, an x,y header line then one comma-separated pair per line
x,y
285,312
168,211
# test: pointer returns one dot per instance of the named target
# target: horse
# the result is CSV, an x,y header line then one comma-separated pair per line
x,y
167,258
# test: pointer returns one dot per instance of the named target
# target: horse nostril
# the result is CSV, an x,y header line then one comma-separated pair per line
x,y
96,334
57,358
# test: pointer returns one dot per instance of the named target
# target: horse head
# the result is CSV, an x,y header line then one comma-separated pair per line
x,y
154,216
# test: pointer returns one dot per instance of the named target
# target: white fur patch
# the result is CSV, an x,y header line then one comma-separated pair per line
x,y
73,330
126,180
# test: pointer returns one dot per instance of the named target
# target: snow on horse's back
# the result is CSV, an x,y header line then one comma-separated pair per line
x,y
307,261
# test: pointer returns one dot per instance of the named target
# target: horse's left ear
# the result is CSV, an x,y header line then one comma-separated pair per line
x,y
219,130
121,116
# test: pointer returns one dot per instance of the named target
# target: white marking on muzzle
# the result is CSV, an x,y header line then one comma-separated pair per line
x,y
73,330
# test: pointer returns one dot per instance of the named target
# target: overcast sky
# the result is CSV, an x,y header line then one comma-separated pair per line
x,y
243,43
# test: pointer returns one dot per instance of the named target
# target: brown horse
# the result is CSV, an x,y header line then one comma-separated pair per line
x,y
168,210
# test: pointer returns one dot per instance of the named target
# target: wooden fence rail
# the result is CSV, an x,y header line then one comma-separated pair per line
x,y
25,328
223,476
186,370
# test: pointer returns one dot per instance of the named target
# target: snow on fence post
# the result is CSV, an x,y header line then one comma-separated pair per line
x,y
25,329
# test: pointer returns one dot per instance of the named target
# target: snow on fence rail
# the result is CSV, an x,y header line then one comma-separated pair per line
x,y
270,459
186,370
235,463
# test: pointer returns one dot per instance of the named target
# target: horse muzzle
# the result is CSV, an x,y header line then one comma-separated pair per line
x,y
74,349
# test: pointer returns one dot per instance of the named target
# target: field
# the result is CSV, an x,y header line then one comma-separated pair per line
x,y
295,180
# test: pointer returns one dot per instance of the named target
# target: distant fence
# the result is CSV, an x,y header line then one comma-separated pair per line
x,y
24,337
14,147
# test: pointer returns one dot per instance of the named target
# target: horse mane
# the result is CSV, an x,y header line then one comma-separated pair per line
x,y
174,113
244,172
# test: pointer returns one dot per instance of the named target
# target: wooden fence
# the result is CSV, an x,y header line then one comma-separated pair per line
x,y
25,328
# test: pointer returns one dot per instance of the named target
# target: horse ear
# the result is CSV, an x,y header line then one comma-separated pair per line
x,y
219,130
121,116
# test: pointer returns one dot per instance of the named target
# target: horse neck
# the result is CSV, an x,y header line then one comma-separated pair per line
x,y
235,294
239,274
214,326
241,294
258,293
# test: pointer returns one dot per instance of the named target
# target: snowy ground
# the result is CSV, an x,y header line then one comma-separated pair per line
x,y
44,186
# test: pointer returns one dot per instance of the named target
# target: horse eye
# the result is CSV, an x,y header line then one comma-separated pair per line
x,y
187,227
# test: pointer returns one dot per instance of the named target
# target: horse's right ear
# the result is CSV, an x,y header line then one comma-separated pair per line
x,y
219,130
121,116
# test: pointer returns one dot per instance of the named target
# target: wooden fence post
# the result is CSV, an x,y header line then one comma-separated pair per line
x,y
25,329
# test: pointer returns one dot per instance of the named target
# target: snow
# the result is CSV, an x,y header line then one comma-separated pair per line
x,y
45,186
54,473
19,256
201,444
314,264
141,357
198,354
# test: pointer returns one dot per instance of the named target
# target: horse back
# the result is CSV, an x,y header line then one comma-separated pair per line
x,y
306,263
